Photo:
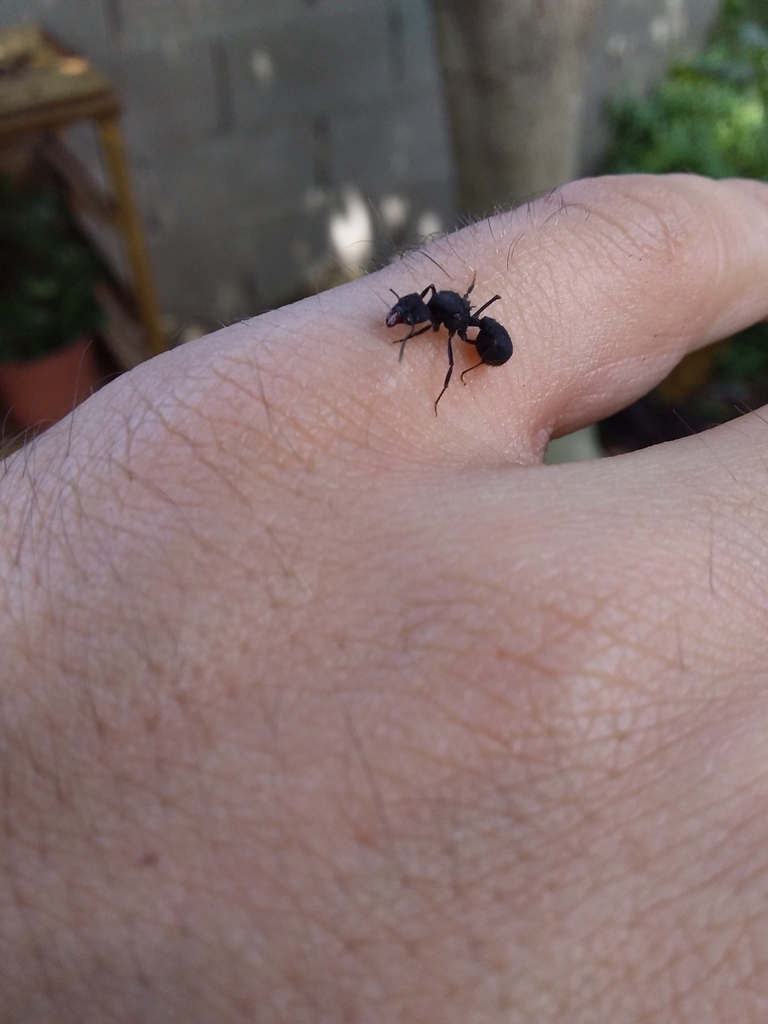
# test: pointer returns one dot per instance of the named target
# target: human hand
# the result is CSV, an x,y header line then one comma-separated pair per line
x,y
318,707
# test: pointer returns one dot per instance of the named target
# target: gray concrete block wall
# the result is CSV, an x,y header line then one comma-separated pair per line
x,y
248,120
316,66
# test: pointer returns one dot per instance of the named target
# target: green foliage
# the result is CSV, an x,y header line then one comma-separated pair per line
x,y
47,274
708,116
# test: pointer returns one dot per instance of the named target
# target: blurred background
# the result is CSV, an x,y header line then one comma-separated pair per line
x,y
256,151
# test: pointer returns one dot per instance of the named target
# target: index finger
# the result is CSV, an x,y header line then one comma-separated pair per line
x,y
604,286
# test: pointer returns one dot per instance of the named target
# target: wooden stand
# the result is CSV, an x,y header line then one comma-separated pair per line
x,y
46,89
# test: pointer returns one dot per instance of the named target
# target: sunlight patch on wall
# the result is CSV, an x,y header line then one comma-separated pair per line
x,y
351,232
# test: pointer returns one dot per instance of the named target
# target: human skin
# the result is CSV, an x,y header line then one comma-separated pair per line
x,y
316,707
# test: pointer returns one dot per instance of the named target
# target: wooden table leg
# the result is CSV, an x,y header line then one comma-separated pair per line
x,y
127,220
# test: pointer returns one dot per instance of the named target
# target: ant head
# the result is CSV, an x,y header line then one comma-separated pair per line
x,y
398,313
409,309
394,316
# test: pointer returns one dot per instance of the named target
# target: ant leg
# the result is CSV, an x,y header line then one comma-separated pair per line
x,y
448,375
412,334
477,312
430,287
467,371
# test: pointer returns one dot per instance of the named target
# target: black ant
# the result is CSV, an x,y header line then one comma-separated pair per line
x,y
454,312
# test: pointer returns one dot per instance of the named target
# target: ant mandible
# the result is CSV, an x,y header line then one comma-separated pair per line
x,y
453,311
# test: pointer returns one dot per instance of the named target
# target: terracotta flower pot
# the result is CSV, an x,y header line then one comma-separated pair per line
x,y
42,391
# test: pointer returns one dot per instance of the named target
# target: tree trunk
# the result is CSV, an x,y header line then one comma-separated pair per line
x,y
514,74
